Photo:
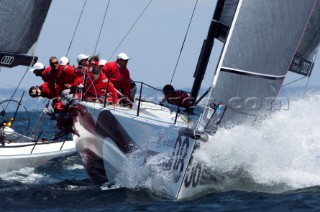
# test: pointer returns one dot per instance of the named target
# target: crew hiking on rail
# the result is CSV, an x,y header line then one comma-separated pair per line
x,y
93,79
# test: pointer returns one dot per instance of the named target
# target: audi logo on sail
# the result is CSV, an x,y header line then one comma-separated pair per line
x,y
7,60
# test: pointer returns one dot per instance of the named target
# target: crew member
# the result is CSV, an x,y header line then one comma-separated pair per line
x,y
176,97
98,85
59,77
94,60
82,69
102,62
64,61
118,73
42,90
37,69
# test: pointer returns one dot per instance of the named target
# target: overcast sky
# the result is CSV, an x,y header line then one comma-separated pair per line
x,y
153,44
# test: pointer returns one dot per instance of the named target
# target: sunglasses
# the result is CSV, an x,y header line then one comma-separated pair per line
x,y
54,63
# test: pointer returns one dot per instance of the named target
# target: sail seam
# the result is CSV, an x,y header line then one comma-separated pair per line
x,y
249,73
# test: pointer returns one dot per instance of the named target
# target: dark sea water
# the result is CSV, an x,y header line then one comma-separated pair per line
x,y
63,184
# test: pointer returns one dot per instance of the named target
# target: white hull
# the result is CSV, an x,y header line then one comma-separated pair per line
x,y
110,137
26,153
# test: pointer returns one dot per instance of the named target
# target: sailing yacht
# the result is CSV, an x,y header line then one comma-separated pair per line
x,y
263,40
21,24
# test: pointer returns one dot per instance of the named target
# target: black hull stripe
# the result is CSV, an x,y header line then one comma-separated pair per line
x,y
252,74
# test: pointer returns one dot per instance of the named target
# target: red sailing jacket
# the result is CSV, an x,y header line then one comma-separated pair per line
x,y
57,79
179,98
45,91
79,75
120,78
97,88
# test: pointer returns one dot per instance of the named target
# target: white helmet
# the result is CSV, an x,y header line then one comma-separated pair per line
x,y
123,56
64,61
36,66
82,57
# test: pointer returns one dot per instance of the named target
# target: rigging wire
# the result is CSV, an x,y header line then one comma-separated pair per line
x,y
294,81
22,78
104,18
185,37
130,29
84,4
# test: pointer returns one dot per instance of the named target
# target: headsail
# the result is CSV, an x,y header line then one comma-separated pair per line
x,y
261,44
21,23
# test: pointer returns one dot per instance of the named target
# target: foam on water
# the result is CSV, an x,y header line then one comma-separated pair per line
x,y
75,167
24,175
282,150
52,172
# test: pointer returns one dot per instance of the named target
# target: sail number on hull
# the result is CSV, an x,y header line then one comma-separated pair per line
x,y
180,151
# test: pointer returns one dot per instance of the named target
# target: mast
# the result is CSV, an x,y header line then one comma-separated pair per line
x,y
206,50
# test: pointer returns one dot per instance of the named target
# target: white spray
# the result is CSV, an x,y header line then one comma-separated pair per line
x,y
282,153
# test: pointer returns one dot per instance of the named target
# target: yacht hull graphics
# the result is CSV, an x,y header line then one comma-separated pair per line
x,y
89,150
199,180
109,140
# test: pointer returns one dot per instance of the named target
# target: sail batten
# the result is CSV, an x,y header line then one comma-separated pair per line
x,y
249,73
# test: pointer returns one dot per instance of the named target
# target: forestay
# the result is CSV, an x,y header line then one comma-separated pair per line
x,y
21,23
259,49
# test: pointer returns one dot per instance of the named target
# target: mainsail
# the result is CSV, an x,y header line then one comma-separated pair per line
x,y
264,38
21,23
